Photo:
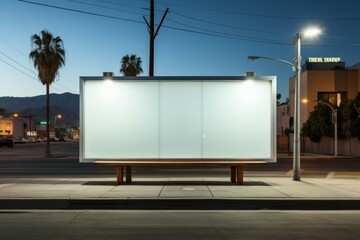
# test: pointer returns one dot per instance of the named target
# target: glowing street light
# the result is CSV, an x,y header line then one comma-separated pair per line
x,y
311,32
307,33
59,116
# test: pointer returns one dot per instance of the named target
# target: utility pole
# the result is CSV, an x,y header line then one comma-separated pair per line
x,y
153,35
151,55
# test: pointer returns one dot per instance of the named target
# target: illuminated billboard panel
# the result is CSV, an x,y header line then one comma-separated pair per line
x,y
177,118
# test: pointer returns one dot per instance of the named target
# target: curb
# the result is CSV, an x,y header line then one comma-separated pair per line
x,y
181,204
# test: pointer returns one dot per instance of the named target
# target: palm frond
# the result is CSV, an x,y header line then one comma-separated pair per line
x,y
131,65
48,55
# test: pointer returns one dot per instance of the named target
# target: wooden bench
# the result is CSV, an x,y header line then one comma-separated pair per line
x,y
236,166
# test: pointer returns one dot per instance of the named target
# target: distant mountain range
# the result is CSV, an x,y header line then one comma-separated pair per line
x,y
66,104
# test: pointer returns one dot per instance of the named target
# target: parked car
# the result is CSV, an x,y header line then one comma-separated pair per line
x,y
7,142
64,139
54,139
31,140
20,140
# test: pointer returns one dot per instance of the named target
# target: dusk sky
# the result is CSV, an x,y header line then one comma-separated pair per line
x,y
198,37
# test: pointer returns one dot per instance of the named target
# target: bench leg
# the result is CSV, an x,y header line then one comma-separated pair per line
x,y
240,174
128,174
119,175
233,174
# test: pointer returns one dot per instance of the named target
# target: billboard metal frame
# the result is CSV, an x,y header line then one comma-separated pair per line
x,y
271,79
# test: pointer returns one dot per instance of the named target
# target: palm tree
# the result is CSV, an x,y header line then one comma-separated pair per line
x,y
131,66
48,55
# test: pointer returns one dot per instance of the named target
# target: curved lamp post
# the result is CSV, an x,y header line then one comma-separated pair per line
x,y
59,116
310,32
274,59
334,120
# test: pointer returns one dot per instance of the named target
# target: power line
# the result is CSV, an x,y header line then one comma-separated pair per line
x,y
341,37
80,11
13,46
116,3
135,21
28,74
18,69
226,25
332,45
258,40
260,15
124,4
30,69
17,62
218,24
204,20
100,6
62,85
223,33
228,37
251,39
252,29
208,21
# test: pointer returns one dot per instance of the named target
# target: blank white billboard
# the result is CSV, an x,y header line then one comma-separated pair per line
x,y
177,118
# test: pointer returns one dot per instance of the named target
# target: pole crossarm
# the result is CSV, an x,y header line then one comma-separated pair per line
x,y
274,59
152,34
162,20
147,23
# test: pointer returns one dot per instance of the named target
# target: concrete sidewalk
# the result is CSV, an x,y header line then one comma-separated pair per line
x,y
341,192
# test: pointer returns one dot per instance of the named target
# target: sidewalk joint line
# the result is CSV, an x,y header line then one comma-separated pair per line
x,y
161,190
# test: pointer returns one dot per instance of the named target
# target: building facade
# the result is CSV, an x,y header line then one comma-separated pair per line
x,y
324,81
14,127
17,127
327,80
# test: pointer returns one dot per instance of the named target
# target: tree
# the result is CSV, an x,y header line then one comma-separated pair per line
x,y
355,117
348,120
319,123
48,55
345,115
131,65
278,97
291,127
2,111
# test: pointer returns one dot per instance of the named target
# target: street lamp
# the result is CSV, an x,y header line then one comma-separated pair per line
x,y
309,32
59,116
274,59
334,120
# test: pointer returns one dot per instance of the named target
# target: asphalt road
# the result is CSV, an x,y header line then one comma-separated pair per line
x,y
174,225
27,159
